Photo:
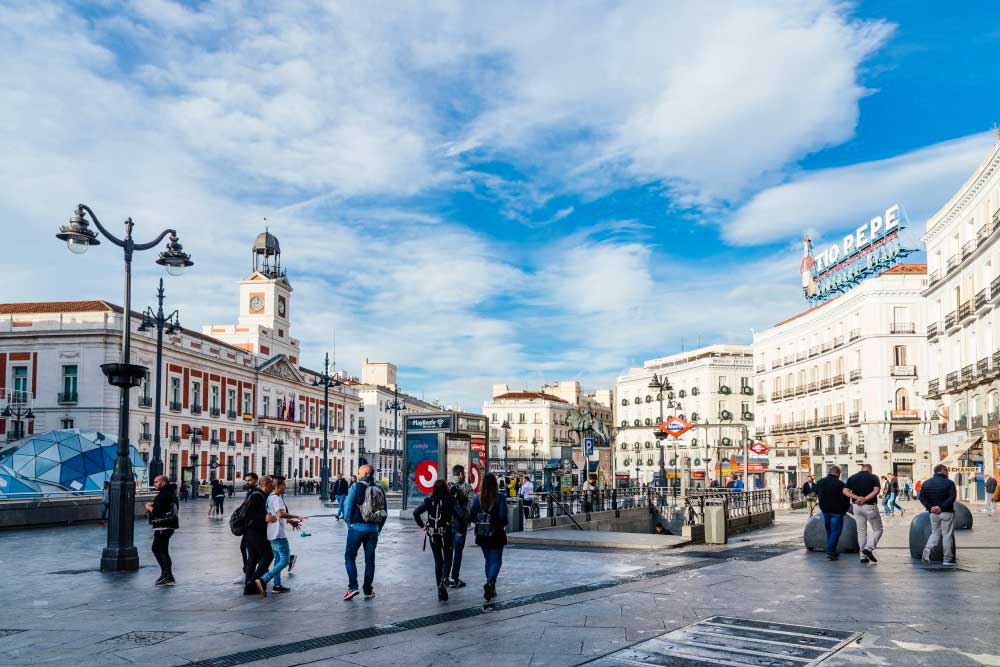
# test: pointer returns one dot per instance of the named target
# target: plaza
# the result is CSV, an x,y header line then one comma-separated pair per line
x,y
556,606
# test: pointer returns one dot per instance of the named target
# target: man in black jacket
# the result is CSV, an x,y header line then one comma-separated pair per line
x,y
258,550
163,518
833,503
809,493
340,488
938,496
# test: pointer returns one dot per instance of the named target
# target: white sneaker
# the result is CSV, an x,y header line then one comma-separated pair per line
x,y
240,579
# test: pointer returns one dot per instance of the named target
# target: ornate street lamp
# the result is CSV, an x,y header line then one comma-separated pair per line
x,y
661,385
120,552
506,447
395,406
19,411
324,468
171,324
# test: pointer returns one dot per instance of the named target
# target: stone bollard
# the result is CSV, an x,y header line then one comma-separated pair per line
x,y
963,517
814,535
920,532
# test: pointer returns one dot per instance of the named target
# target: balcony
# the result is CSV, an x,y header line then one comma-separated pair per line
x,y
800,390
902,328
995,290
968,248
214,412
843,450
66,397
231,414
175,438
761,368
814,351
231,442
853,418
855,375
826,347
983,367
951,321
811,423
145,401
951,381
213,441
788,393
838,379
824,421
903,371
196,409
776,364
933,388
362,430
830,451
982,299
993,419
976,422
952,264
825,383
812,386
933,330
968,374
838,342
933,277
854,335
966,312
962,424
775,395
760,399
818,450
789,359
312,424
145,437
800,356
903,448
837,420
175,406
983,232
905,415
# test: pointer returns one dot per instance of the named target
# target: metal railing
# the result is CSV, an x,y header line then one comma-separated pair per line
x,y
145,401
932,330
737,504
68,397
902,328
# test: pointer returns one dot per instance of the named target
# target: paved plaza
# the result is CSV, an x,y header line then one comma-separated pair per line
x,y
556,606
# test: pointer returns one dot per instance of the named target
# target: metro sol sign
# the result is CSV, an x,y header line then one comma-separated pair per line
x,y
675,426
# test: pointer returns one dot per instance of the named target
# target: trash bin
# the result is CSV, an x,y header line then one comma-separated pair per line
x,y
515,516
715,521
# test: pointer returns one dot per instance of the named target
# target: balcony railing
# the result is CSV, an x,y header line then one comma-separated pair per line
x,y
789,359
837,420
800,356
231,414
967,248
760,399
825,383
68,397
843,449
902,448
175,438
853,418
214,412
175,406
902,328
788,393
995,289
838,341
196,409
145,437
932,330
950,320
951,380
993,419
838,379
800,390
965,310
145,401
933,277
854,335
776,364
968,373
826,346
814,350
983,367
952,263
903,371
976,422
231,442
962,424
213,441
982,298
761,368
855,375
813,386
933,387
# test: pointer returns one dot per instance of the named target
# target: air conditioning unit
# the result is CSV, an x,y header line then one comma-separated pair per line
x,y
748,390
681,394
694,416
726,415
695,391
723,389
727,442
748,416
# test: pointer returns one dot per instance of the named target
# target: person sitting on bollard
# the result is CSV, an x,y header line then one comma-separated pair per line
x,y
938,496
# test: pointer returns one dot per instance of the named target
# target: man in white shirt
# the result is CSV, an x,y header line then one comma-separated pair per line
x,y
527,493
277,517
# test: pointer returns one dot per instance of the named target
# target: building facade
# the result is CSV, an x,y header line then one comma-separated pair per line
x,y
709,385
838,383
963,331
227,407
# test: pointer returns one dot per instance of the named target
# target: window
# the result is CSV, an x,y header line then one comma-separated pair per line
x,y
214,398
744,382
196,390
69,381
899,355
266,407
68,423
312,414
247,410
20,374
902,400
175,432
723,381
231,400
145,388
175,390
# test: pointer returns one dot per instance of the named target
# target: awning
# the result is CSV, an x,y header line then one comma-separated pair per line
x,y
956,455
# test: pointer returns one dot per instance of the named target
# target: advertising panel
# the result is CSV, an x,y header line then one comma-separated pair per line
x,y
421,466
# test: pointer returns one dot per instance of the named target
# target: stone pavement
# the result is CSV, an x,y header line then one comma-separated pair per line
x,y
556,606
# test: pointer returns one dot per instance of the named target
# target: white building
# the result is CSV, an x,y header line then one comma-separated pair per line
x,y
710,385
243,405
837,383
963,332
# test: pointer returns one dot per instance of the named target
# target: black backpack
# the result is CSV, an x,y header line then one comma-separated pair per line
x,y
484,523
438,521
238,519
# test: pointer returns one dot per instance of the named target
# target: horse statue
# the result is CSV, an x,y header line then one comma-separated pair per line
x,y
582,420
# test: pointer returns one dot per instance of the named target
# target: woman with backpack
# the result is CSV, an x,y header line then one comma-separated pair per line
x,y
441,509
489,511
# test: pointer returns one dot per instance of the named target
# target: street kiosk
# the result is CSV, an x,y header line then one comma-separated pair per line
x,y
434,442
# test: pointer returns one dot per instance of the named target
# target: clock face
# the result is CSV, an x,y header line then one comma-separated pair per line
x,y
256,304
281,307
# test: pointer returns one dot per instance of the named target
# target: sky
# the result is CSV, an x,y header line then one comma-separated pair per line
x,y
484,193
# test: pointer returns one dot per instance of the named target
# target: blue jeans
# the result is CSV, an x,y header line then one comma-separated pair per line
x,y
494,559
458,545
341,499
282,552
355,540
834,524
893,505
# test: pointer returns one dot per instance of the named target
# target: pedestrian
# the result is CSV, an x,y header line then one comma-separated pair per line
x,y
185,490
258,549
163,519
489,511
588,495
527,494
218,498
833,503
462,492
106,500
809,493
990,486
366,514
894,495
249,485
277,517
340,493
907,489
441,510
863,488
884,495
738,485
938,497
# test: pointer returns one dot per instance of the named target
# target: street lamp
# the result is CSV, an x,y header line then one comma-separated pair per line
x,y
170,323
661,385
120,552
17,408
324,468
506,447
195,478
395,406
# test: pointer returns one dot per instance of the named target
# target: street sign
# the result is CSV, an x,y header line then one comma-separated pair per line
x,y
675,426
213,465
759,448
588,446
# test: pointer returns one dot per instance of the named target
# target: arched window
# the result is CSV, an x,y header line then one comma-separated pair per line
x,y
902,399
976,406
993,402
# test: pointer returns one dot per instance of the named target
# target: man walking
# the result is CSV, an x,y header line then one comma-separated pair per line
x,y
809,493
990,486
340,493
461,491
527,493
894,495
249,485
258,549
938,496
833,503
362,532
863,488
277,516
163,519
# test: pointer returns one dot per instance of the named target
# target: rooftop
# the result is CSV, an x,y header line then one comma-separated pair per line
x,y
528,395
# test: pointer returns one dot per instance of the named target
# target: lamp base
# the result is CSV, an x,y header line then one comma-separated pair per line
x,y
119,559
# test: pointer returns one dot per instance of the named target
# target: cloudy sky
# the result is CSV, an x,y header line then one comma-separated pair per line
x,y
484,192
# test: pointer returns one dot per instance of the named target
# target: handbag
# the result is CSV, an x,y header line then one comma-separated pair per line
x,y
168,520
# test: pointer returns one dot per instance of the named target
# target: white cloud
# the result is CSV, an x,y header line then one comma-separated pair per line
x,y
840,199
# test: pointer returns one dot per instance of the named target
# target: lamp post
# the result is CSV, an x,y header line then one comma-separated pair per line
x,y
195,478
324,468
534,456
120,552
505,426
661,385
19,410
395,406
170,323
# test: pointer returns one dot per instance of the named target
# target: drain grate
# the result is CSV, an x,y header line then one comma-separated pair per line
x,y
139,638
737,642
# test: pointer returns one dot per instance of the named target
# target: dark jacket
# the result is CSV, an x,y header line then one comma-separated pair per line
x,y
256,516
991,485
831,495
498,516
939,491
808,488
340,487
446,507
164,504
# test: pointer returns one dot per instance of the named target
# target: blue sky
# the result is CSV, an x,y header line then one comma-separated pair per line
x,y
486,193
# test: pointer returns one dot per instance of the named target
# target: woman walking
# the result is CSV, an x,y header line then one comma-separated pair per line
x,y
441,509
218,498
489,510
163,519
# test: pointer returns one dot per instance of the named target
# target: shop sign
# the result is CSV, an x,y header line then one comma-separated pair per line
x,y
438,423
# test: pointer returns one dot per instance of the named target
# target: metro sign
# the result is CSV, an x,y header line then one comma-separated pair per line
x,y
675,426
759,448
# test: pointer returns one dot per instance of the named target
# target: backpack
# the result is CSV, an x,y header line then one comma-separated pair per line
x,y
484,524
372,507
238,519
437,523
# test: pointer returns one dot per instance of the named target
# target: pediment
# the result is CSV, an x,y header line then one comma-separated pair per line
x,y
280,366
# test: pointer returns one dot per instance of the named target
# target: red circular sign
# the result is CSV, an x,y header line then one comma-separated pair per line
x,y
475,478
425,475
